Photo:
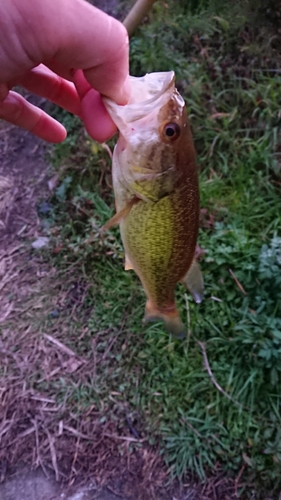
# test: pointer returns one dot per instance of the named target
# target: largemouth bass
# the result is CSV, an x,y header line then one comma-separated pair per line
x,y
156,193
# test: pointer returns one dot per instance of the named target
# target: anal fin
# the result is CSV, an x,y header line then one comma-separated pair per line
x,y
193,281
128,265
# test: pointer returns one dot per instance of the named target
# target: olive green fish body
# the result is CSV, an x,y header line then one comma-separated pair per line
x,y
159,246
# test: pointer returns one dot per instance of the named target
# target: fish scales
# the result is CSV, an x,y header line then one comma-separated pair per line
x,y
161,264
156,192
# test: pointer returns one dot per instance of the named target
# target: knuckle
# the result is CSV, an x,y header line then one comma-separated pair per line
x,y
11,108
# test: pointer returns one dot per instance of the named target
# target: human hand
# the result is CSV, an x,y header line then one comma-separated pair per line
x,y
68,52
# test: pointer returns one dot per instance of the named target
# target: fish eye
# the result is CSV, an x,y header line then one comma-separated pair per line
x,y
171,131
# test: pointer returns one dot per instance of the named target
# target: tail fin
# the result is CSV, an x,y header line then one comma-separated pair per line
x,y
171,318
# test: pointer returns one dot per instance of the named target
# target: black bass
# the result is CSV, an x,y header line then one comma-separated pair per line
x,y
155,184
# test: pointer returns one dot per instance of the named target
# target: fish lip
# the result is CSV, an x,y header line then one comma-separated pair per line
x,y
167,81
138,109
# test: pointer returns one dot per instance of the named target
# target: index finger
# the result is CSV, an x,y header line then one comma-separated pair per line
x,y
45,83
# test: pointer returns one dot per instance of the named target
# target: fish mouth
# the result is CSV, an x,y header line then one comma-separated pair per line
x,y
148,93
150,87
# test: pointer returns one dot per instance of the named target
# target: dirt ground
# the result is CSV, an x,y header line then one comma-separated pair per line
x,y
23,182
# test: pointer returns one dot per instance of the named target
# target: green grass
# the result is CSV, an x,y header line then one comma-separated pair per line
x,y
222,62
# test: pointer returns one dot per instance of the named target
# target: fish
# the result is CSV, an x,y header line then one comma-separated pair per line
x,y
155,183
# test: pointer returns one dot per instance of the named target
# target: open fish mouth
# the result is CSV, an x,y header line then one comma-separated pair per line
x,y
150,87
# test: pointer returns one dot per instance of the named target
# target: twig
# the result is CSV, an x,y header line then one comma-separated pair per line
x,y
43,400
78,434
60,345
8,278
136,15
75,456
114,492
23,434
108,348
237,282
48,377
10,424
215,298
38,446
188,322
94,368
3,470
238,479
51,440
123,438
216,384
212,146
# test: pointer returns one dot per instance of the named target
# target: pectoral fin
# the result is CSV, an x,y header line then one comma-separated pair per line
x,y
119,216
193,281
152,186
